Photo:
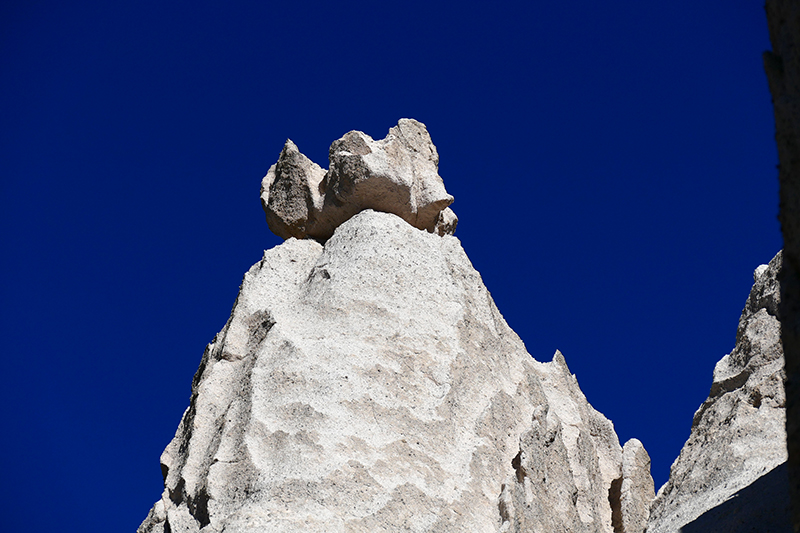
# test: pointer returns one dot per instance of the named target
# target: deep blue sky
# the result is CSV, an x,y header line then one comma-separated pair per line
x,y
613,165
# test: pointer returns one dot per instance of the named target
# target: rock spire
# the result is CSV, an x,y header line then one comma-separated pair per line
x,y
366,381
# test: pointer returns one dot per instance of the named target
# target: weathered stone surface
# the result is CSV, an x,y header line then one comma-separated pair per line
x,y
568,461
446,225
782,65
738,433
763,506
637,490
371,384
290,193
398,174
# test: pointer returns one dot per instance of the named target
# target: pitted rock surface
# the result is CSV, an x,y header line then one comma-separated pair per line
x,y
738,434
398,174
371,384
569,458
637,491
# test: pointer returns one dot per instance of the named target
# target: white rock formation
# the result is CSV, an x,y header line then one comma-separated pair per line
x,y
398,174
370,384
570,471
636,491
738,434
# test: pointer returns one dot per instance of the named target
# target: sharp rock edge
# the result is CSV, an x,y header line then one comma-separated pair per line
x,y
370,384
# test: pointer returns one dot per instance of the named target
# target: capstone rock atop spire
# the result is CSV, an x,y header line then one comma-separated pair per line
x,y
398,174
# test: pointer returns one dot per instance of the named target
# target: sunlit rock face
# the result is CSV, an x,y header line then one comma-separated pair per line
x,y
738,433
571,473
368,383
398,174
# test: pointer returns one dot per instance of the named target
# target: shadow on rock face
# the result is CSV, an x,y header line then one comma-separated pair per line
x,y
763,506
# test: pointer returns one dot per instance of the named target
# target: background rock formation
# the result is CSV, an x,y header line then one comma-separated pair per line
x,y
370,384
738,433
782,65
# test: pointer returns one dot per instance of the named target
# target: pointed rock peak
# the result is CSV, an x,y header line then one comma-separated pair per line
x,y
415,136
558,359
289,146
766,291
738,434
355,388
397,174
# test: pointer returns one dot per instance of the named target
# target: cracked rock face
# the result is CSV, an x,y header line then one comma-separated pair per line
x,y
370,384
571,474
738,433
398,174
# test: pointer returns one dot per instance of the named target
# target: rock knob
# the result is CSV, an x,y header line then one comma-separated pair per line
x,y
397,174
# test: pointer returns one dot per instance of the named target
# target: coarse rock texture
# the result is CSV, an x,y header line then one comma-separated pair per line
x,y
763,506
637,490
569,453
371,384
398,174
782,65
738,433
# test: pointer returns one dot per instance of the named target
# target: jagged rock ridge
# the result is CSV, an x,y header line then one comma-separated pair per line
x,y
370,384
738,433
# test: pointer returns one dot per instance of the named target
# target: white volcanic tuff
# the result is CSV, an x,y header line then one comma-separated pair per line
x,y
370,385
738,434
636,491
571,474
398,174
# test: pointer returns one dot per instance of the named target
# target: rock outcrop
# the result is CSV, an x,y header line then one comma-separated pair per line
x,y
782,66
637,490
370,384
571,474
738,433
398,174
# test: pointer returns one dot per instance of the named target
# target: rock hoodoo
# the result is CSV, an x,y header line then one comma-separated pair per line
x,y
398,174
370,384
